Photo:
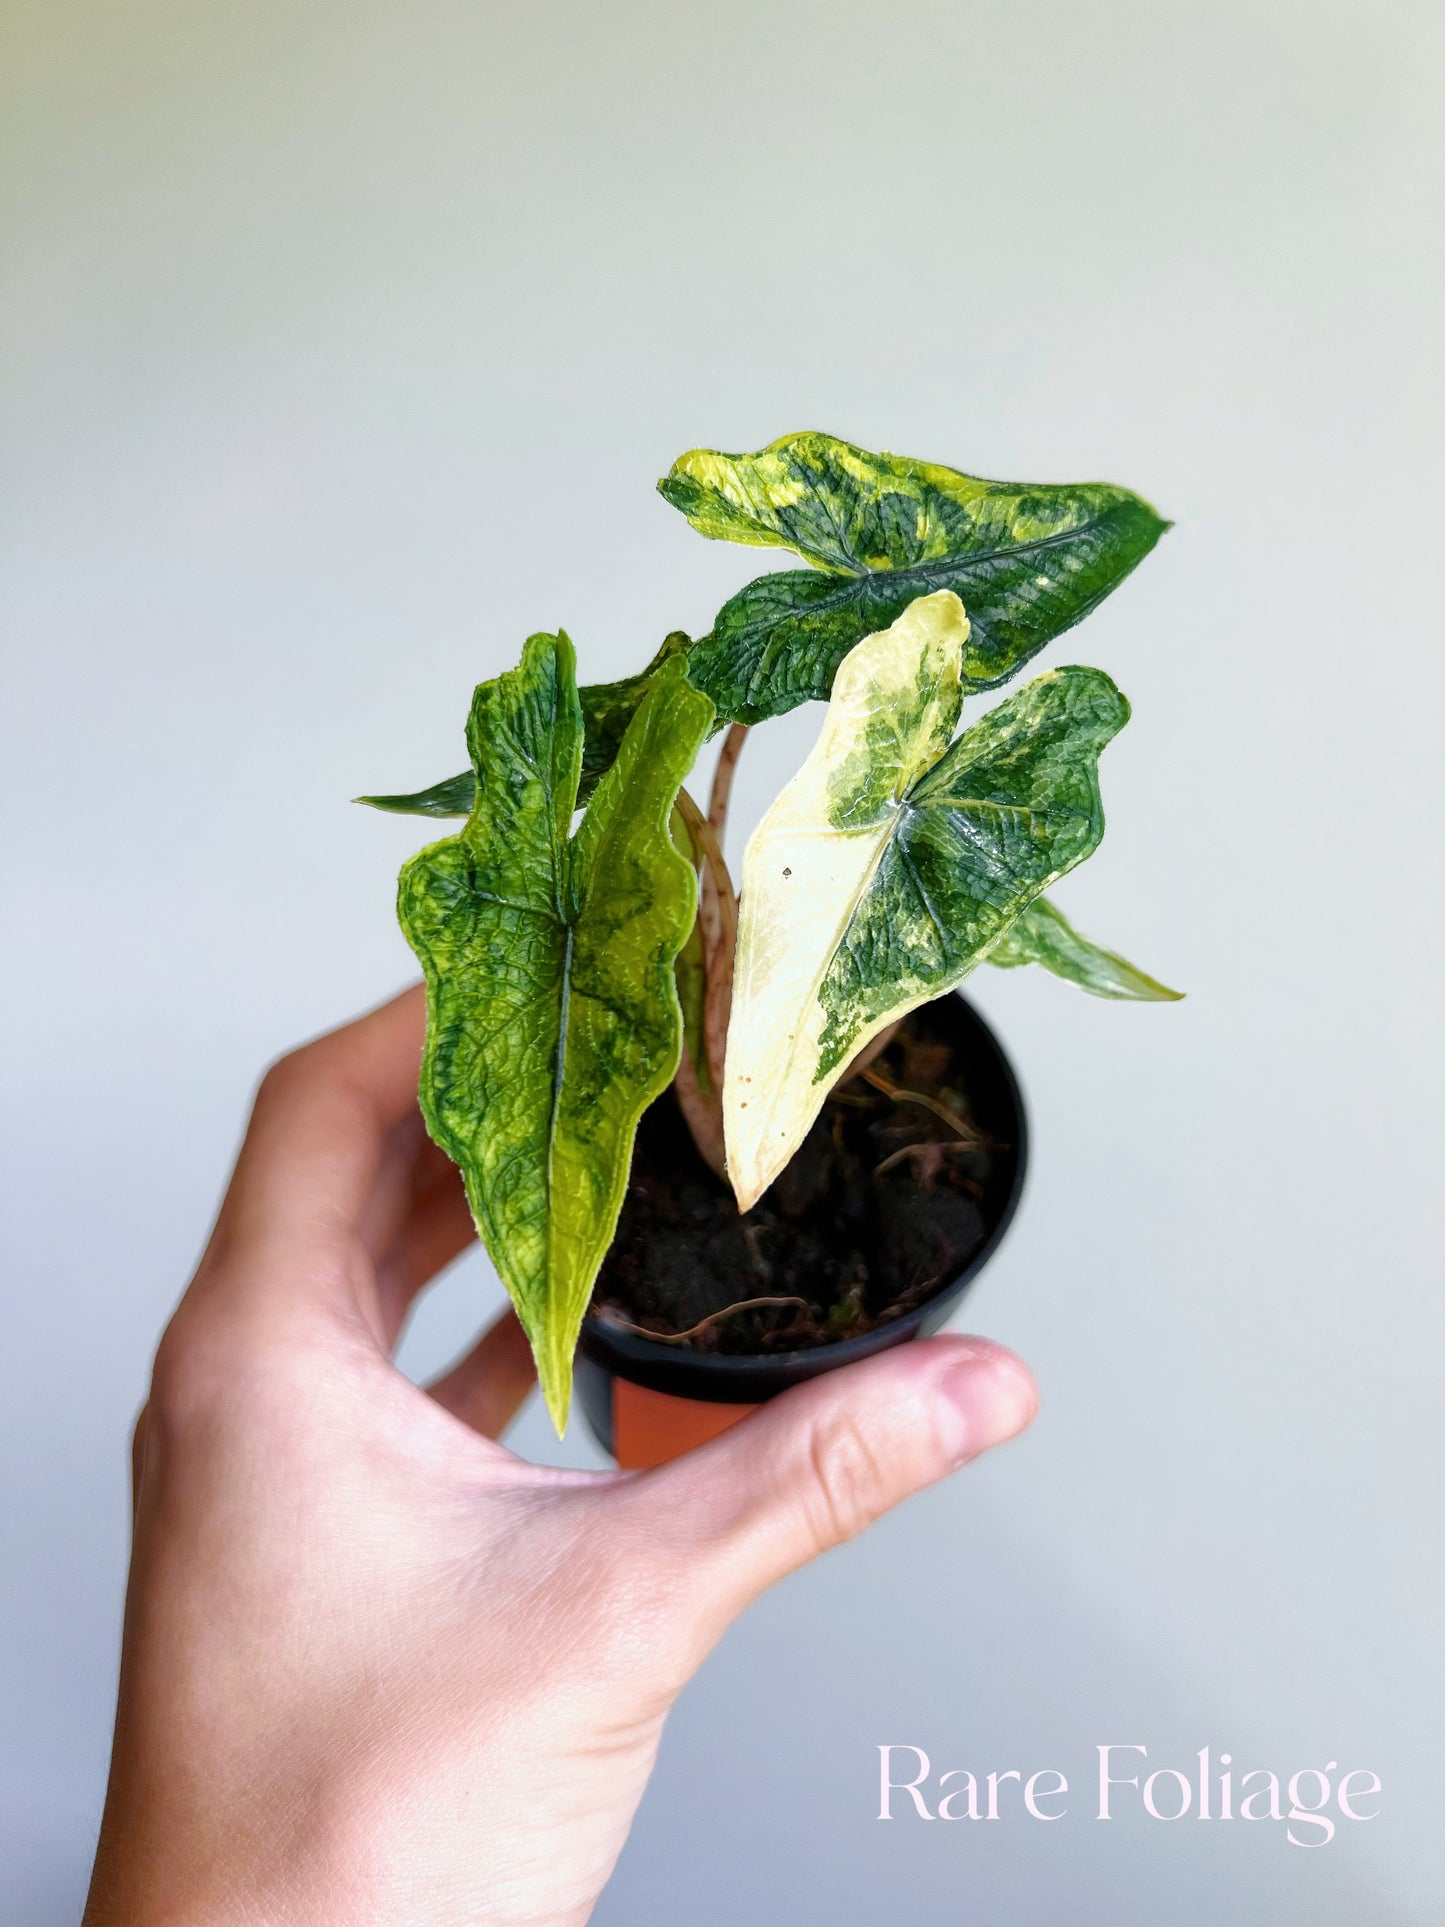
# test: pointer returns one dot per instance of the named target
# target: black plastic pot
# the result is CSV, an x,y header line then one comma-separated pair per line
x,y
647,1401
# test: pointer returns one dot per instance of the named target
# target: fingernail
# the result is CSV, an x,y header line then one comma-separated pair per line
x,y
987,1398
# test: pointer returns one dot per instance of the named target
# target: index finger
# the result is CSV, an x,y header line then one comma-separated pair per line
x,y
318,1130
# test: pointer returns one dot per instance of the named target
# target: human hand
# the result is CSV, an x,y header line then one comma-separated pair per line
x,y
377,1669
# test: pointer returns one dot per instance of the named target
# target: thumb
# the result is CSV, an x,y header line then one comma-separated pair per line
x,y
815,1466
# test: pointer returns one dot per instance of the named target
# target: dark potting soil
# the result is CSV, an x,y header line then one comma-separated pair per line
x,y
888,1198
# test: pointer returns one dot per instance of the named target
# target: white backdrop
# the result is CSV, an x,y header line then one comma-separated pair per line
x,y
341,347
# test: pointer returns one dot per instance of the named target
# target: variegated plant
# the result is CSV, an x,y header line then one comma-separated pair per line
x,y
573,973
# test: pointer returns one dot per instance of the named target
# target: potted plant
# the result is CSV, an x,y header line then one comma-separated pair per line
x,y
831,1139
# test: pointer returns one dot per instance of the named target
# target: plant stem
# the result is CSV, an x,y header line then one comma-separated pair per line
x,y
874,1049
702,1111
676,1338
901,1096
709,918
713,867
718,1003
702,1114
722,777
920,1151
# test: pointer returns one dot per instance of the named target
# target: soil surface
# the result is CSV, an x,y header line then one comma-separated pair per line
x,y
888,1198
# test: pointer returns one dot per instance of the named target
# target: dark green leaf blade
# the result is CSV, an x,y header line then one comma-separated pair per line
x,y
552,1011
451,797
1028,560
1011,807
607,709
1044,935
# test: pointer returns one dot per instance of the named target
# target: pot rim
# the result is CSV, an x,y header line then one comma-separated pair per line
x,y
738,1377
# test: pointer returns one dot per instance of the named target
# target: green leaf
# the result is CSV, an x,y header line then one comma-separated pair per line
x,y
607,709
893,861
1027,559
453,797
1044,935
552,1011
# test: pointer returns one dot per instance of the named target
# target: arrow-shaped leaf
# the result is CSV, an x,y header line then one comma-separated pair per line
x,y
1028,560
892,861
1044,935
552,1009
607,709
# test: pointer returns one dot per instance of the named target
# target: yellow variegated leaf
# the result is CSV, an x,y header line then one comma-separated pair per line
x,y
893,860
552,1009
1028,559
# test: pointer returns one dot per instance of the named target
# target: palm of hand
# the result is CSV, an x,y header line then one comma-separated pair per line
x,y
376,1668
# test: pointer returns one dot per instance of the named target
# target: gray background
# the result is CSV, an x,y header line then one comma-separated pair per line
x,y
342,345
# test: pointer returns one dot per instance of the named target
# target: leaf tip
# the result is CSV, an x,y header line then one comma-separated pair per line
x,y
554,1375
747,1194
674,488
1158,525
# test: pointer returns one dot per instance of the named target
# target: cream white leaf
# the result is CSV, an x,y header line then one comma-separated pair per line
x,y
893,860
